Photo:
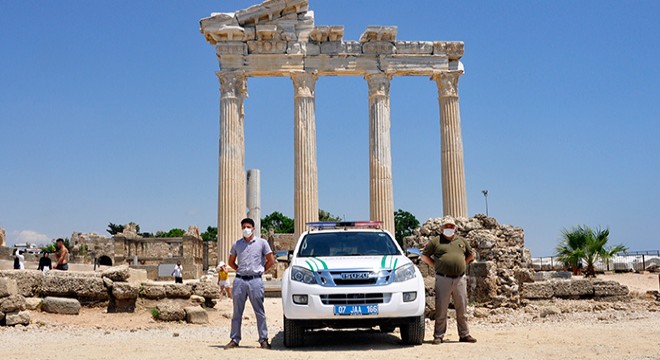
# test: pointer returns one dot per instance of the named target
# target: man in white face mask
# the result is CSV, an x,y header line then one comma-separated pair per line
x,y
250,256
449,254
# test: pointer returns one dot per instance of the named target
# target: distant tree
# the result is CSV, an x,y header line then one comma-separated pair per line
x,y
115,229
51,248
277,222
172,233
211,234
326,216
584,243
404,223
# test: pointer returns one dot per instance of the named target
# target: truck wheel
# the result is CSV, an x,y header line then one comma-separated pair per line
x,y
293,333
413,333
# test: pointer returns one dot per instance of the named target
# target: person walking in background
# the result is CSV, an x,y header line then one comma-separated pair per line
x,y
223,279
178,273
62,255
254,257
19,261
451,254
45,264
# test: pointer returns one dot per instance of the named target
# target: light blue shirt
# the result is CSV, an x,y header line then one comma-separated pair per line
x,y
250,256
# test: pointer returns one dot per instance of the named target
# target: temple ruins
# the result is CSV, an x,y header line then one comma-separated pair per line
x,y
279,38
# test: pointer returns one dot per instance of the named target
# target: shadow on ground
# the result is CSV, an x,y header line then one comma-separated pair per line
x,y
354,340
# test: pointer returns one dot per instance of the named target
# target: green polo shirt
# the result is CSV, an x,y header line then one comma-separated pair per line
x,y
449,255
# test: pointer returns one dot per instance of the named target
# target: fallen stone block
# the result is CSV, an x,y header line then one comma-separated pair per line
x,y
573,289
29,282
8,287
196,315
549,310
155,292
182,291
17,318
117,273
124,290
58,305
207,290
549,275
79,286
33,303
12,303
537,290
197,300
170,312
603,288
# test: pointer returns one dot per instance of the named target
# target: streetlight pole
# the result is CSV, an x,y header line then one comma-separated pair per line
x,y
485,192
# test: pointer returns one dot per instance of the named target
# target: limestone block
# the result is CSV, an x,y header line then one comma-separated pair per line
x,y
341,65
413,65
604,288
218,19
8,287
117,273
266,32
378,48
267,47
575,288
549,310
153,291
33,303
207,290
182,291
231,48
170,312
196,315
523,275
379,33
124,290
454,51
57,305
547,275
74,285
537,290
223,33
29,282
197,300
263,64
332,47
619,298
414,47
12,303
17,318
266,11
108,283
353,47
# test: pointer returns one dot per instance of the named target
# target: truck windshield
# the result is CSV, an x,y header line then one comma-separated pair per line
x,y
347,243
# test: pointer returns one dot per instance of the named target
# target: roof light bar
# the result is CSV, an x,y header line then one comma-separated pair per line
x,y
345,224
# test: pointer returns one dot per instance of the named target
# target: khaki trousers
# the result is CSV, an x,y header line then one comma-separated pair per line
x,y
445,288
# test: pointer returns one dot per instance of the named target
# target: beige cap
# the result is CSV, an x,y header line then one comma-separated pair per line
x,y
448,221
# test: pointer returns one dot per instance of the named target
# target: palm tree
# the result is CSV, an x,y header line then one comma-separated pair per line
x,y
584,243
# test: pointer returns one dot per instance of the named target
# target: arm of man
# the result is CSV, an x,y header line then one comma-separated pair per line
x,y
469,256
428,260
232,262
270,261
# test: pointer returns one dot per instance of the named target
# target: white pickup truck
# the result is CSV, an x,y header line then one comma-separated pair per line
x,y
351,275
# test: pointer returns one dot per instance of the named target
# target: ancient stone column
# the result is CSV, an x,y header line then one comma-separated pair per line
x,y
306,190
380,158
454,200
231,181
254,198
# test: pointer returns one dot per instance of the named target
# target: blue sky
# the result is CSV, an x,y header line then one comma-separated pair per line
x,y
109,112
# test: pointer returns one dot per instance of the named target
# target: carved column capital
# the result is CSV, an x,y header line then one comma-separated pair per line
x,y
379,84
447,83
304,84
232,84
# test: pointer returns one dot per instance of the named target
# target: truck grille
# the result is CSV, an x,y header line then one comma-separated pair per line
x,y
355,299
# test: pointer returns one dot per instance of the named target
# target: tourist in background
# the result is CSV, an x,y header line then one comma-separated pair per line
x,y
451,254
19,260
254,258
223,279
62,255
45,263
178,273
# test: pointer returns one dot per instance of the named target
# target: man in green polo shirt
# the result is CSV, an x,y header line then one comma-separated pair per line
x,y
449,254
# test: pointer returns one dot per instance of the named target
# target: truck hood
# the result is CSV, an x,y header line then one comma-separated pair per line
x,y
370,262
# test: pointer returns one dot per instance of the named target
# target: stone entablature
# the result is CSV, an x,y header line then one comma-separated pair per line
x,y
278,37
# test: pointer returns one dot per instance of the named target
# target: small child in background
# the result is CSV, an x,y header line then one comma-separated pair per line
x,y
223,279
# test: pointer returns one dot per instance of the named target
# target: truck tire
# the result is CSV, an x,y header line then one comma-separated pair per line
x,y
413,333
293,333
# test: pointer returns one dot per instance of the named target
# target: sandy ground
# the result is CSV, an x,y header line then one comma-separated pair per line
x,y
584,330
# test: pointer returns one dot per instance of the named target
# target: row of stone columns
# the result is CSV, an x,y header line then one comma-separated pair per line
x,y
232,187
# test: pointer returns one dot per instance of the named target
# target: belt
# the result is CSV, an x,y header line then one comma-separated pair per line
x,y
248,277
451,277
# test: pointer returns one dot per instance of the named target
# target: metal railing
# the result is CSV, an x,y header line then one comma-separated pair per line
x,y
648,260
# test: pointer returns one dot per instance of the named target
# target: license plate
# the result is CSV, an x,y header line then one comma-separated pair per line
x,y
356,310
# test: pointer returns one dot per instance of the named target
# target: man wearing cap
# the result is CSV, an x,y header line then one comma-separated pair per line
x,y
449,254
250,256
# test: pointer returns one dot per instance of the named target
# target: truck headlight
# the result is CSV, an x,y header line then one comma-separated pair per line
x,y
404,273
302,275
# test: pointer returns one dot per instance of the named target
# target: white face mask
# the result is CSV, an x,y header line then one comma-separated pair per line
x,y
448,232
247,232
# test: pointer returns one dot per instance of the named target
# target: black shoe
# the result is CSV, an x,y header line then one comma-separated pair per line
x,y
264,344
468,339
437,341
230,345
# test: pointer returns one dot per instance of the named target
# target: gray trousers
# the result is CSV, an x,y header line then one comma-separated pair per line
x,y
242,290
444,289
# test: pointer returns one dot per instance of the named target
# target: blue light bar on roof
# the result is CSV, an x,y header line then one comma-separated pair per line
x,y
345,224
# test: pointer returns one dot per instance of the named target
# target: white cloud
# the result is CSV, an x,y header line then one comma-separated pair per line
x,y
31,236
